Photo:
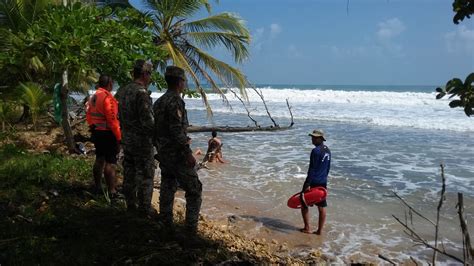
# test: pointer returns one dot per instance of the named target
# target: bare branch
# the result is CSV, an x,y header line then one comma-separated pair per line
x,y
387,259
414,261
291,114
440,204
246,109
260,94
424,242
415,211
465,232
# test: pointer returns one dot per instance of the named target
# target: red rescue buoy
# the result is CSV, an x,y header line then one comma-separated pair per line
x,y
311,197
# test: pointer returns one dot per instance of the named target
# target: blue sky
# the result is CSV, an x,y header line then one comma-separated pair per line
x,y
375,42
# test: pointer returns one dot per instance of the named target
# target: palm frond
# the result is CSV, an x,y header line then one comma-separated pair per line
x,y
181,40
10,14
173,53
6,38
226,21
228,75
237,44
171,9
16,15
35,98
202,73
180,59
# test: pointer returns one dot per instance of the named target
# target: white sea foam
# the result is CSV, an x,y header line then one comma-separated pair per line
x,y
377,108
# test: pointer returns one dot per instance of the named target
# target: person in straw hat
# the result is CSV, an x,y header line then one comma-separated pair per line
x,y
318,170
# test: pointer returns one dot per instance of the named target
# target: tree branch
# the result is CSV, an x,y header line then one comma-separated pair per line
x,y
418,238
413,210
291,114
260,94
440,204
387,259
465,233
246,109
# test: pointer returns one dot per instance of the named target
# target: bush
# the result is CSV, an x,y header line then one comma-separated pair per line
x,y
9,111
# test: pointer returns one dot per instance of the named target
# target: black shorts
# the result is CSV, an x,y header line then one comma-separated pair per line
x,y
323,203
106,145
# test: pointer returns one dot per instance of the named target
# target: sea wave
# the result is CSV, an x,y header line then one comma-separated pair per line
x,y
416,110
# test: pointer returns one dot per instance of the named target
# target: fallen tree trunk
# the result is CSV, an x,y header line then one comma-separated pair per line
x,y
192,129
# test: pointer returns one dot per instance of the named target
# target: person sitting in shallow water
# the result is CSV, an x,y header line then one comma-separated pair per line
x,y
214,150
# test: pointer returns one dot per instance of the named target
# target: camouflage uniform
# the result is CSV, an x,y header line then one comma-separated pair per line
x,y
136,119
171,124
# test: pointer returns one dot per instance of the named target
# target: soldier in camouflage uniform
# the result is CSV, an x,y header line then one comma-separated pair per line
x,y
174,154
136,118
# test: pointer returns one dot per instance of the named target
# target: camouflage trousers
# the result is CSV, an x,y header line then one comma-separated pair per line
x,y
139,170
188,179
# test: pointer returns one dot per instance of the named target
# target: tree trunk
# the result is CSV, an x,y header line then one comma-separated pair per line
x,y
69,137
26,113
194,129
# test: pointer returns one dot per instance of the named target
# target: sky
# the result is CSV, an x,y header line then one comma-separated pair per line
x,y
360,42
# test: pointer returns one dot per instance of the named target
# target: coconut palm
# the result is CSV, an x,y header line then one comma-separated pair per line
x,y
36,99
186,42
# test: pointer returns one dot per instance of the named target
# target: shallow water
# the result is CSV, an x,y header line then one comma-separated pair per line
x,y
369,161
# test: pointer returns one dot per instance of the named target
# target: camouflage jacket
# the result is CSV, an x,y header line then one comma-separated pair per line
x,y
171,123
135,114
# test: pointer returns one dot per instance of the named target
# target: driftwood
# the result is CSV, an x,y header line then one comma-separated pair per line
x,y
275,126
194,129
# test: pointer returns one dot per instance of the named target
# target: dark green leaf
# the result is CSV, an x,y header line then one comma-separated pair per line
x,y
440,95
455,103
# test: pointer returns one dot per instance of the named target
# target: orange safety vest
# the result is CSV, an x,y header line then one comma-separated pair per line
x,y
101,112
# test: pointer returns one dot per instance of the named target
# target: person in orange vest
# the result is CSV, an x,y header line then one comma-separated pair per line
x,y
102,117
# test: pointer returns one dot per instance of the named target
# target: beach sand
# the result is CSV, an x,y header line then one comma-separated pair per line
x,y
232,235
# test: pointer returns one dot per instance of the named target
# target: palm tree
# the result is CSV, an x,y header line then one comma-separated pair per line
x,y
36,98
17,15
186,41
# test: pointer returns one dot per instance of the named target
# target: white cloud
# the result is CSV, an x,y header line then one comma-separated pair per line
x,y
275,29
263,36
460,40
386,35
389,29
293,51
257,37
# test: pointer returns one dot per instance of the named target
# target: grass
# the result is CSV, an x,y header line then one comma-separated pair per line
x,y
52,218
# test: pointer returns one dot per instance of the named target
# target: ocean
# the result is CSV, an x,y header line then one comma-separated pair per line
x,y
383,139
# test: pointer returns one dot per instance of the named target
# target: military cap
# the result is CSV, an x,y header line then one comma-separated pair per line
x,y
142,66
174,71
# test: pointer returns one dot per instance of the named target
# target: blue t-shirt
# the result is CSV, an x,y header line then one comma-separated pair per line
x,y
319,165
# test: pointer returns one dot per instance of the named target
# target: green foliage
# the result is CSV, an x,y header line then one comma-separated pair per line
x,y
185,40
463,9
17,64
455,87
35,98
8,112
84,40
17,15
22,172
465,92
